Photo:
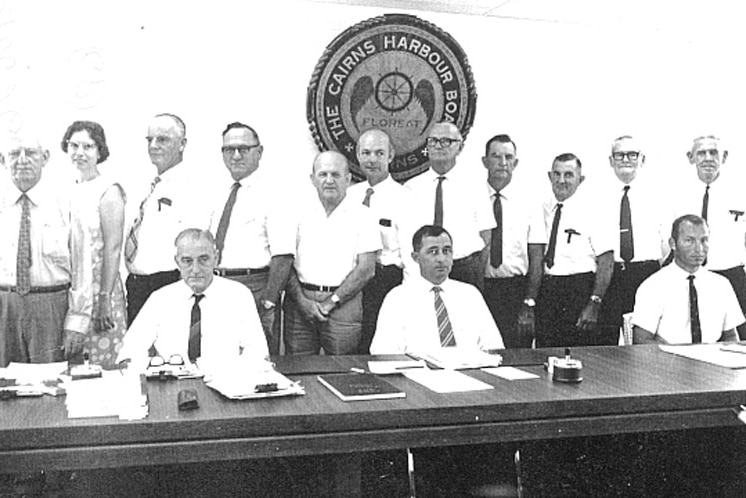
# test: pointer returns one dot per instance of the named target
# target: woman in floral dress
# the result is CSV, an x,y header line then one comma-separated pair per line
x,y
98,226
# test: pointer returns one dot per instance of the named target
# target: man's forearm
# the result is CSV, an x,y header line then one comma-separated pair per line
x,y
358,277
535,270
604,269
279,272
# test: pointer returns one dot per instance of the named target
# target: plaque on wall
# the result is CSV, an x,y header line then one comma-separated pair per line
x,y
396,73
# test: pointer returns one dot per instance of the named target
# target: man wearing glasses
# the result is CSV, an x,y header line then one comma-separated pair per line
x,y
447,196
166,208
718,198
255,243
202,318
516,248
44,310
641,219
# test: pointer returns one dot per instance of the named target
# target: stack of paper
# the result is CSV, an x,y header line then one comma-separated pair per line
x,y
456,358
114,394
246,379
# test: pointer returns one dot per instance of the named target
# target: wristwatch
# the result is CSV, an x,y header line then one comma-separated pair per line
x,y
596,299
267,304
529,302
335,299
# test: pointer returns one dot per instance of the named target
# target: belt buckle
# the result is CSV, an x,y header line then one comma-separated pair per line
x,y
624,265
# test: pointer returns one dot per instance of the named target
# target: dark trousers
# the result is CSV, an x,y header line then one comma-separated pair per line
x,y
504,298
620,296
385,279
469,269
558,307
140,287
737,279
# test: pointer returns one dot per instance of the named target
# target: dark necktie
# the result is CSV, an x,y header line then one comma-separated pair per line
x,y
225,220
705,202
195,329
368,193
23,259
444,323
627,244
130,247
496,248
438,221
549,256
694,312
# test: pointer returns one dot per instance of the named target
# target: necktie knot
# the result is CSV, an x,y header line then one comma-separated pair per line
x,y
368,193
437,289
690,278
198,298
626,189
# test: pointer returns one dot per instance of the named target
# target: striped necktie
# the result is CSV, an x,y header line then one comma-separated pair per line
x,y
444,323
130,248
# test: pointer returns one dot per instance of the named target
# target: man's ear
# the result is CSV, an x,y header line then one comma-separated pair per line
x,y
416,257
672,244
581,179
725,157
690,156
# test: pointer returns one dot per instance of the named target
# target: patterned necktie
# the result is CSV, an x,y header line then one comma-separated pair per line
x,y
444,323
549,256
496,248
130,248
438,220
195,329
225,220
626,240
368,194
694,312
705,202
23,259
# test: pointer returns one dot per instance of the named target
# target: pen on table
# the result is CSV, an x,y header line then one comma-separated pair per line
x,y
357,370
410,367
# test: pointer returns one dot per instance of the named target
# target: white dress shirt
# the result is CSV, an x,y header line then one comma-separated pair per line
x,y
726,217
177,203
327,247
522,225
391,205
258,228
407,320
652,217
51,246
662,305
584,233
465,212
229,326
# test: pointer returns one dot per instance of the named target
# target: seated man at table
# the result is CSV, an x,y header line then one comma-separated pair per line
x,y
202,316
431,310
683,302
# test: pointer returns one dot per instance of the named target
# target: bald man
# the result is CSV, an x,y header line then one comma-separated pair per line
x,y
390,204
337,242
449,196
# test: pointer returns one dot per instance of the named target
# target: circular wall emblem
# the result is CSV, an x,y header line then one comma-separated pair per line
x,y
396,73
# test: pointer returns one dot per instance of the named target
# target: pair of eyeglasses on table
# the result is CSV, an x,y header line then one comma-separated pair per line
x,y
172,369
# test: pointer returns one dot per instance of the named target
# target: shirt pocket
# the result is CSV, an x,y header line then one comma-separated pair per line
x,y
54,244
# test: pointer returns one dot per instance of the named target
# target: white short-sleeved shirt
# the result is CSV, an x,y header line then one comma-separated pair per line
x,y
407,320
176,203
258,228
327,247
465,212
229,326
522,225
585,232
662,305
391,205
726,217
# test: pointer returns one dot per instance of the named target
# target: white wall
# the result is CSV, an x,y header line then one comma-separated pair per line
x,y
555,87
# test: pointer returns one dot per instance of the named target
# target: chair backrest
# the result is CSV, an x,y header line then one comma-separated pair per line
x,y
625,331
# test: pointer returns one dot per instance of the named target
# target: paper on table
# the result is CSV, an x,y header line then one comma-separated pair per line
x,y
387,367
710,353
114,394
34,373
510,373
446,381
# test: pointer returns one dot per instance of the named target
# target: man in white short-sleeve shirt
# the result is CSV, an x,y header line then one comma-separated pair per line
x,y
683,302
337,242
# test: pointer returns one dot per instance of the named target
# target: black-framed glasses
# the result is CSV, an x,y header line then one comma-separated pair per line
x,y
241,149
619,156
175,360
444,142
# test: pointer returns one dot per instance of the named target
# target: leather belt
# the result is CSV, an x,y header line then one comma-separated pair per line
x,y
626,266
239,272
36,290
322,288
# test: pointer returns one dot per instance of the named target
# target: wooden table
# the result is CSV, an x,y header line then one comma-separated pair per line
x,y
625,389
